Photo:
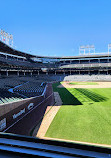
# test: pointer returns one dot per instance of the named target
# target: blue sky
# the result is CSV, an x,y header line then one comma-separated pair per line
x,y
57,27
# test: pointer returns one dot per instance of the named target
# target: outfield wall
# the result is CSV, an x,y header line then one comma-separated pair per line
x,y
20,109
7,107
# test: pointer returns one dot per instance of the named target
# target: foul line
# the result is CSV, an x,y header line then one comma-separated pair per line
x,y
26,113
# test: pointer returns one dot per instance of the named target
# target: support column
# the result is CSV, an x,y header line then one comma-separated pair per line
x,y
18,73
7,73
55,72
108,59
38,72
70,72
24,73
107,72
31,73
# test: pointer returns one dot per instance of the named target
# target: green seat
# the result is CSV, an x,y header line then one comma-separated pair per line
x,y
3,100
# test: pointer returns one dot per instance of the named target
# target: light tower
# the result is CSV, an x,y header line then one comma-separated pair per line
x,y
88,49
109,48
82,50
92,49
6,38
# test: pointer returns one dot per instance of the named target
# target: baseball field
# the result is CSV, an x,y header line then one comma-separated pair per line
x,y
85,114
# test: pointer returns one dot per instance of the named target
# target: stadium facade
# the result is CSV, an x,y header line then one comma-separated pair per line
x,y
14,62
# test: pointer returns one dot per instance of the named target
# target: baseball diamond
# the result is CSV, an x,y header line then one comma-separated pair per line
x,y
80,110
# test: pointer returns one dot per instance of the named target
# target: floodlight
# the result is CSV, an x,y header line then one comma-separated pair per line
x,y
109,44
8,37
82,47
87,49
87,46
92,46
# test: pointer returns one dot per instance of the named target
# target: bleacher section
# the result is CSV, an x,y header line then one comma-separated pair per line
x,y
88,78
30,89
8,97
18,88
15,62
54,78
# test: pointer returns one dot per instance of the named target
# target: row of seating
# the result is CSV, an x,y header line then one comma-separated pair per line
x,y
87,78
31,89
24,87
7,97
20,63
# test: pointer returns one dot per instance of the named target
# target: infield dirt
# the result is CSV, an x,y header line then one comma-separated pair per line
x,y
99,85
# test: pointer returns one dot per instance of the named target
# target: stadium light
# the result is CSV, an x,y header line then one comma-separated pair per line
x,y
89,48
109,47
92,46
6,37
81,49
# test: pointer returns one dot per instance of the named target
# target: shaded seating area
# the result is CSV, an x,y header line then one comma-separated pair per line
x,y
31,89
8,97
22,87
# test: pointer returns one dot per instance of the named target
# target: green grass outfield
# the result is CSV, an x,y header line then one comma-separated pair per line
x,y
84,116
84,83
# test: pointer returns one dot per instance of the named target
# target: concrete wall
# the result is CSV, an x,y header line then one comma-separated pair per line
x,y
5,108
22,116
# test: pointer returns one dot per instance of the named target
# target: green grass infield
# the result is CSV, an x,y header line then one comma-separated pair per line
x,y
84,116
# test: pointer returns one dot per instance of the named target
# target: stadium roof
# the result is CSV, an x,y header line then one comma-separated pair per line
x,y
7,49
76,57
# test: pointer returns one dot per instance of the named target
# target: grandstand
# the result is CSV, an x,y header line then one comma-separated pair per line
x,y
25,79
13,62
21,74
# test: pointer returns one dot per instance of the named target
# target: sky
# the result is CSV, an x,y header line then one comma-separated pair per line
x,y
57,27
